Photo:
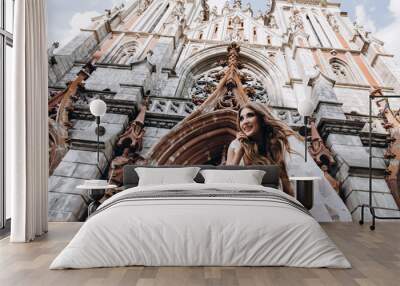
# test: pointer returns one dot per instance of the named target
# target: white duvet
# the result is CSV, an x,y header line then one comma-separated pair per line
x,y
204,231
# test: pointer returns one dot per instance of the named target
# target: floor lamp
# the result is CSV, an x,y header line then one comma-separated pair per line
x,y
306,109
98,108
305,185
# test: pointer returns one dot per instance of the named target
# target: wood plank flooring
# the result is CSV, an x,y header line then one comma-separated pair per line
x,y
375,257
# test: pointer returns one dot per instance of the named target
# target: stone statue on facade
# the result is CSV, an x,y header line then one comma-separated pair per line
x,y
360,31
50,53
237,4
272,22
131,141
205,13
214,10
143,5
296,21
179,11
333,22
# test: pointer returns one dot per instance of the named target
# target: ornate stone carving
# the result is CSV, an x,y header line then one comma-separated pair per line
x,y
228,100
176,20
237,4
179,10
60,105
248,8
131,142
340,71
126,53
254,88
143,5
58,144
270,7
333,22
133,136
207,83
322,156
360,31
269,19
236,31
226,8
198,141
116,169
206,10
392,124
50,53
310,2
272,24
296,117
170,106
296,21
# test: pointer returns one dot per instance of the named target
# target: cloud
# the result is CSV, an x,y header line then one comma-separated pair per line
x,y
394,7
390,33
64,34
78,21
363,19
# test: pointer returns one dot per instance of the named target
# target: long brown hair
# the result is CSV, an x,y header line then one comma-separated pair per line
x,y
272,151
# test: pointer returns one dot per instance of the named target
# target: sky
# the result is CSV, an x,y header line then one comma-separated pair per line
x,y
381,17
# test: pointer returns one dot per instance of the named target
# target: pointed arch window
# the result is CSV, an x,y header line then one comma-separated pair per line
x,y
340,70
126,53
216,29
206,83
269,40
254,34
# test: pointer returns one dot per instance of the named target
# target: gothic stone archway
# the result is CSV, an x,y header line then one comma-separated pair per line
x,y
203,136
202,140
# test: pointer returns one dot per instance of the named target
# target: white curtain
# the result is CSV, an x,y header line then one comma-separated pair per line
x,y
27,125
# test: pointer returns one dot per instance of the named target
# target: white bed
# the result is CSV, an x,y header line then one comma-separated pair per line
x,y
225,225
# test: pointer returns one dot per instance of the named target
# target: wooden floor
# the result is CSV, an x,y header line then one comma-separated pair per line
x,y
375,257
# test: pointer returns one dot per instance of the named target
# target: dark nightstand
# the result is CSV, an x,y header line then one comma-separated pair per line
x,y
305,190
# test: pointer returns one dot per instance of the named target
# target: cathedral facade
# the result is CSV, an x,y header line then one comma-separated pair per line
x,y
174,73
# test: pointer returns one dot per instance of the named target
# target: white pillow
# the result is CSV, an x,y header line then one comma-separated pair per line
x,y
248,177
166,176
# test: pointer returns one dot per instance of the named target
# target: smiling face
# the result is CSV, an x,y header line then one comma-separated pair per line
x,y
249,123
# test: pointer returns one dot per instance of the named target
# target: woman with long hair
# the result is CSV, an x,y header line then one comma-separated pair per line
x,y
262,140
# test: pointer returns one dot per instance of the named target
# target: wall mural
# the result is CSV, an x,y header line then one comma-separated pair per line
x,y
220,87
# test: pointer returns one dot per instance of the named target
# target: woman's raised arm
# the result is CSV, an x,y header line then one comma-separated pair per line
x,y
234,155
